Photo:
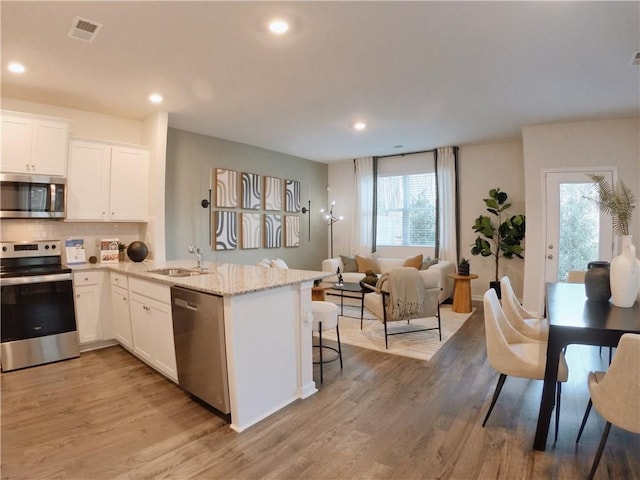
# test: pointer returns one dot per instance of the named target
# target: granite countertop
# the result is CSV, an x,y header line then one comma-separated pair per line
x,y
225,279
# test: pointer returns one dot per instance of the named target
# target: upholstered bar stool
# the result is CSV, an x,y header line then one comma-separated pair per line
x,y
325,317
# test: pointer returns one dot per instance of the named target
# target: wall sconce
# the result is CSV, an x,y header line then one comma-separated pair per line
x,y
330,218
307,210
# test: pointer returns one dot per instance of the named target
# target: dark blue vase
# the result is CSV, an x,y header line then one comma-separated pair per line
x,y
596,282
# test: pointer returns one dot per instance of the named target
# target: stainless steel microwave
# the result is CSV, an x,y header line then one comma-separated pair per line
x,y
32,196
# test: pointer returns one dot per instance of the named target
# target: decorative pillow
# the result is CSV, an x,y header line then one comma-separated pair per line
x,y
415,262
264,263
367,263
427,262
278,263
370,278
349,263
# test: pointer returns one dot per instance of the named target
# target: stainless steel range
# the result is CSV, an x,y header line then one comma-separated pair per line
x,y
38,323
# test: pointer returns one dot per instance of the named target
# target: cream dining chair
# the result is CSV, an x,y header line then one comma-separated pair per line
x,y
512,353
529,324
616,393
576,276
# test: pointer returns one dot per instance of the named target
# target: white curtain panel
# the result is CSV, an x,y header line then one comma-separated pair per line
x,y
362,224
447,204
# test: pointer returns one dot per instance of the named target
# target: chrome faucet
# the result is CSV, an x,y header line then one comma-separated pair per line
x,y
198,253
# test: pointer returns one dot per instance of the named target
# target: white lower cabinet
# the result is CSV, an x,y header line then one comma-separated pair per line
x,y
152,326
87,288
121,316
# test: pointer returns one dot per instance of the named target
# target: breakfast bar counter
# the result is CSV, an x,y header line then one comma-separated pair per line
x,y
268,329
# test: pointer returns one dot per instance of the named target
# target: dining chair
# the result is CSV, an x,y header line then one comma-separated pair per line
x,y
616,393
513,354
576,276
529,324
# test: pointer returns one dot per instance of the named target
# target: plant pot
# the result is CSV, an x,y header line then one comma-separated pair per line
x,y
496,287
463,269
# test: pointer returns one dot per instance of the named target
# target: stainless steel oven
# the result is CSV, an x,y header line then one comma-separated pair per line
x,y
32,196
38,323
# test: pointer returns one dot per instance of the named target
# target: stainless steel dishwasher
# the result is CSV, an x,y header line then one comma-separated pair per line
x,y
198,335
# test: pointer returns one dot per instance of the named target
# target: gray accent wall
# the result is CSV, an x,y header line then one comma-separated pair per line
x,y
190,158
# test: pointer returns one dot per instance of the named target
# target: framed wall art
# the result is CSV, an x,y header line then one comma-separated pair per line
x,y
226,230
291,196
272,230
251,189
291,231
251,236
226,182
272,193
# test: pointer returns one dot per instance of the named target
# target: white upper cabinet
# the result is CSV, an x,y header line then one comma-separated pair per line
x,y
129,187
34,145
107,182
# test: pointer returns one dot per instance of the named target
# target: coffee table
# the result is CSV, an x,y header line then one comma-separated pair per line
x,y
350,287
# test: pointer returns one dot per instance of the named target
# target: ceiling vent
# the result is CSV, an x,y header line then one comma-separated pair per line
x,y
85,30
635,60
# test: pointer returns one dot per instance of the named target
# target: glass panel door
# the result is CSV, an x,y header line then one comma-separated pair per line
x,y
576,231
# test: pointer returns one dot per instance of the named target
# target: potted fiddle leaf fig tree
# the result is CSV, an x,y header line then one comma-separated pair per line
x,y
499,235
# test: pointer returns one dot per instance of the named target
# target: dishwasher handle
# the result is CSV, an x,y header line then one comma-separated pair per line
x,y
184,304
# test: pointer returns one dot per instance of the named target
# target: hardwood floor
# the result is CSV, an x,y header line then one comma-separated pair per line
x,y
107,415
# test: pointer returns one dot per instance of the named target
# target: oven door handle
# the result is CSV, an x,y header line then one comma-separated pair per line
x,y
54,277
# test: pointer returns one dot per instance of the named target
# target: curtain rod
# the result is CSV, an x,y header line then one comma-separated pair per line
x,y
407,153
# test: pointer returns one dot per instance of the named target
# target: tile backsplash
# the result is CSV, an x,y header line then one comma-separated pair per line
x,y
12,230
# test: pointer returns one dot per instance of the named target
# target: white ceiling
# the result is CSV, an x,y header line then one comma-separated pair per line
x,y
420,74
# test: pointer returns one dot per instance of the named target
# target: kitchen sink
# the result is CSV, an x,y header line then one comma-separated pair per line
x,y
178,272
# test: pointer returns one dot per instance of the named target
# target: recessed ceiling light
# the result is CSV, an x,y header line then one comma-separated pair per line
x,y
278,26
155,98
359,125
16,67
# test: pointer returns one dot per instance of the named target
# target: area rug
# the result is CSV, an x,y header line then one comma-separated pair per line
x,y
420,345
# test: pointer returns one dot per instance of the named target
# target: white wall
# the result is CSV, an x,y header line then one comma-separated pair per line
x,y
613,142
341,188
83,123
481,168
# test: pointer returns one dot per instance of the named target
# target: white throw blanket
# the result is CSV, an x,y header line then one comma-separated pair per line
x,y
406,291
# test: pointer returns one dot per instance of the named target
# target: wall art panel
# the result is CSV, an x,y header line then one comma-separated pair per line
x,y
272,193
291,231
226,230
291,196
251,189
272,230
226,182
251,231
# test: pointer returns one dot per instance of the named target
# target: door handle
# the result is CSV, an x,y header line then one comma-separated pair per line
x,y
550,257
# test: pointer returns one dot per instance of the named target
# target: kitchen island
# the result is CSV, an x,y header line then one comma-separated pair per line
x,y
268,329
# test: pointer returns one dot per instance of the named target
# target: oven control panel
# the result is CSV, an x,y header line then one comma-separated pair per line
x,y
38,248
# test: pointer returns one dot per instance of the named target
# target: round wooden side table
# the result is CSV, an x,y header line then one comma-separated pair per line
x,y
317,292
462,292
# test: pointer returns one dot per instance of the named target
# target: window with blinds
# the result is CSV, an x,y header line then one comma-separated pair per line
x,y
406,202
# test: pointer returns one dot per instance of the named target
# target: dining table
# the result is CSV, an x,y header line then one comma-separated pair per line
x,y
575,320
